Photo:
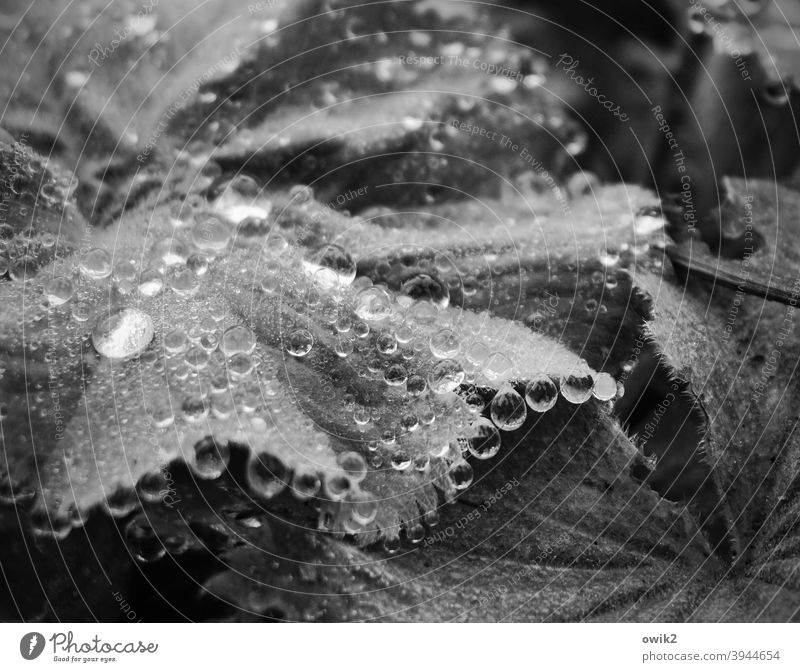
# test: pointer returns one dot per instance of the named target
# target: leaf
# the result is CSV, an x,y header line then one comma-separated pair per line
x,y
228,370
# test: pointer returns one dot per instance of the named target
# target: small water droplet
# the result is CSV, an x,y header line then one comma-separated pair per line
x,y
299,342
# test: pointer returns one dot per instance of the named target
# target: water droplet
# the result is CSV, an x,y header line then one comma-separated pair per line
x,y
168,252
576,386
196,358
240,365
210,458
445,344
143,541
58,290
497,366
267,475
395,375
175,341
301,193
426,288
183,282
609,258
386,343
332,267
96,263
238,339
483,439
416,385
194,409
605,387
392,544
123,335
354,465
211,234
305,483
299,342
364,507
153,486
508,410
239,199
541,393
197,264
337,487
648,220
373,304
400,460
445,376
151,283
460,474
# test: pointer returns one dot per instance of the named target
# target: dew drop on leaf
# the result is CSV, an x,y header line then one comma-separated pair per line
x,y
373,304
124,334
267,476
238,339
605,387
483,440
460,474
508,409
445,344
541,393
577,386
299,342
58,290
445,376
96,264
143,541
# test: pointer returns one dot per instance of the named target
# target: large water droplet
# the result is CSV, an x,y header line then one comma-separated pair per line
x,y
605,387
577,386
483,439
508,410
541,393
373,304
445,344
123,335
445,376
460,474
267,475
211,234
332,267
210,458
96,263
143,541
238,339
299,342
58,290
424,287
